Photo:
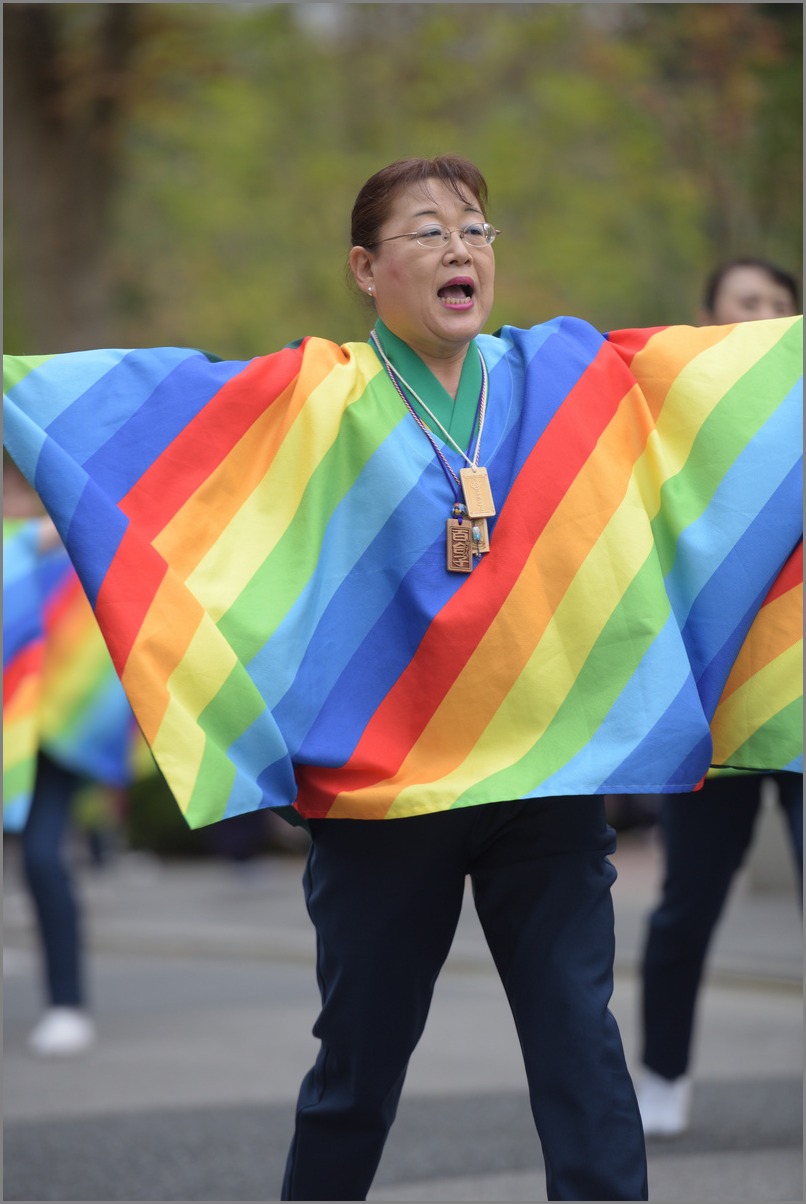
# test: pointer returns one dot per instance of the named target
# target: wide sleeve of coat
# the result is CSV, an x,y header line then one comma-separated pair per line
x,y
723,486
142,458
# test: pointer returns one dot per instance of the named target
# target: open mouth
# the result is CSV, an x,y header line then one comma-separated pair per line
x,y
457,294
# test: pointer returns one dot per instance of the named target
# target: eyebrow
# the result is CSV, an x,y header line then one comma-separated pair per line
x,y
433,212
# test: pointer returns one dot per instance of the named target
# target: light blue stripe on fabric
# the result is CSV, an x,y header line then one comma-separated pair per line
x,y
99,416
650,692
21,438
52,387
388,478
736,503
15,812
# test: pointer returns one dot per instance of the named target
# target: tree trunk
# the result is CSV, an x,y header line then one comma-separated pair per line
x,y
64,93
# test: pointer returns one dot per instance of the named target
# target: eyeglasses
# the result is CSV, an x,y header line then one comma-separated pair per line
x,y
475,234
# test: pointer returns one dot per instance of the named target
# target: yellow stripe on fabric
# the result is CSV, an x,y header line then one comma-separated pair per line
x,y
20,731
756,702
208,511
776,626
76,661
694,393
162,641
599,512
180,741
260,522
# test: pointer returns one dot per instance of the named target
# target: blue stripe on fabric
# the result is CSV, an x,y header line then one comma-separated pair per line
x,y
155,401
22,439
670,732
654,691
55,385
98,742
385,495
96,530
22,618
16,808
60,482
740,496
727,605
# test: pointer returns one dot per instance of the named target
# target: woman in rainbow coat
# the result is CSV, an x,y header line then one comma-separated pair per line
x,y
466,583
67,726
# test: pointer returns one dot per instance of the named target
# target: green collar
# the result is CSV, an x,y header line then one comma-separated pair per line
x,y
459,416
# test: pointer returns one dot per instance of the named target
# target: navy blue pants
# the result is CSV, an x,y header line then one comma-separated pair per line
x,y
48,880
385,898
706,837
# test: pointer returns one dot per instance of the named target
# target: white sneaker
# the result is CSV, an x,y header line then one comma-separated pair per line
x,y
664,1104
62,1032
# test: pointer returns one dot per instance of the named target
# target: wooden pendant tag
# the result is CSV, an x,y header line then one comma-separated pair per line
x,y
478,495
459,546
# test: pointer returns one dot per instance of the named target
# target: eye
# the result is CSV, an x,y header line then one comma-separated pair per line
x,y
476,229
432,233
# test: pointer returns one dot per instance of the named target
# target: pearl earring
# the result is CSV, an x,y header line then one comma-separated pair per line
x,y
369,290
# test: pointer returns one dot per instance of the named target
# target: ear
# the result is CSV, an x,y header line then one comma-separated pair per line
x,y
361,267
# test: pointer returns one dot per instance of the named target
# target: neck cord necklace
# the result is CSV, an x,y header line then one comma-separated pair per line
x,y
396,377
462,544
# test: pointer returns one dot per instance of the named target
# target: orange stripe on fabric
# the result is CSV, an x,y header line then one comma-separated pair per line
x,y
200,446
229,483
160,645
27,663
777,627
669,351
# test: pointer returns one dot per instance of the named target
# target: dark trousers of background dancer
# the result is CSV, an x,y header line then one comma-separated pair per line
x,y
65,1027
706,837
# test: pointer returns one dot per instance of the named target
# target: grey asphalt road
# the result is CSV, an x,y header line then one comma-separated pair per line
x,y
204,992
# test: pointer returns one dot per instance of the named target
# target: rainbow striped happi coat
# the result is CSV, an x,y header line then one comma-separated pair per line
x,y
263,543
60,689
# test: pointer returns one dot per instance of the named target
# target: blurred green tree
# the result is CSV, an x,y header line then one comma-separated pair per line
x,y
211,154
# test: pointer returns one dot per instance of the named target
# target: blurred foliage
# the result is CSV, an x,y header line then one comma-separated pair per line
x,y
628,148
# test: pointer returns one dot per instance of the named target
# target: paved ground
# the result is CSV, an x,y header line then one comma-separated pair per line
x,y
204,993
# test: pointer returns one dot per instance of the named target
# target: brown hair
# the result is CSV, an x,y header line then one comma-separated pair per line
x,y
374,201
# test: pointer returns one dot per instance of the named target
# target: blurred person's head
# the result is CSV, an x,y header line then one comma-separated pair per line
x,y
743,290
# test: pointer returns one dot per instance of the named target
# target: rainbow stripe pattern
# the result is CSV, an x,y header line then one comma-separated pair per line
x,y
60,689
263,543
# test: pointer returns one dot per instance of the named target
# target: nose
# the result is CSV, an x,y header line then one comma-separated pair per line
x,y
457,248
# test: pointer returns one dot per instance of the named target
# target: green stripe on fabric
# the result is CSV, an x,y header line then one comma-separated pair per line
x,y
718,444
282,577
17,367
18,779
605,673
779,740
224,720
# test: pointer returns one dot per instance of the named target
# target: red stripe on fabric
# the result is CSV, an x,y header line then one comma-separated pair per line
x,y
629,342
557,458
26,663
790,576
127,591
190,458
61,599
